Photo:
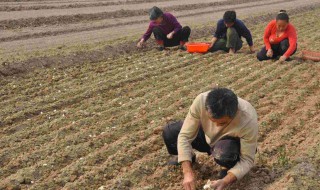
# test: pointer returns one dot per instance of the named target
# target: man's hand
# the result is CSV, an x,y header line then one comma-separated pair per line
x,y
252,50
219,184
170,35
283,59
189,180
270,53
213,41
141,43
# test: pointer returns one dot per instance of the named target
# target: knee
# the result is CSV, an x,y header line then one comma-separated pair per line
x,y
171,131
284,45
226,152
259,56
186,29
262,54
231,31
166,133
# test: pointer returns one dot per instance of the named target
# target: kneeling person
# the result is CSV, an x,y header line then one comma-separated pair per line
x,y
218,123
229,31
166,29
280,39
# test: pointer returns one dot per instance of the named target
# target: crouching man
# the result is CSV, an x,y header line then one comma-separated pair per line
x,y
229,31
218,123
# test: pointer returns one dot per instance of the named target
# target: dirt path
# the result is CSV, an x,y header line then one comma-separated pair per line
x,y
65,4
128,19
91,10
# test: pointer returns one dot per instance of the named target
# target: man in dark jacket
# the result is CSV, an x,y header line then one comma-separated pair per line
x,y
229,31
166,29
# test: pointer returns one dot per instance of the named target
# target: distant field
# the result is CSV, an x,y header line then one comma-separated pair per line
x,y
26,26
97,121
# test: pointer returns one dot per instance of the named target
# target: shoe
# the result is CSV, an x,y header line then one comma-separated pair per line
x,y
173,161
160,48
183,48
222,173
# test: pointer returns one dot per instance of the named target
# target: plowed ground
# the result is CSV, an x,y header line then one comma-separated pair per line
x,y
99,123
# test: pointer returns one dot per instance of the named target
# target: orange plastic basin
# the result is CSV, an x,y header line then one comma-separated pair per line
x,y
199,47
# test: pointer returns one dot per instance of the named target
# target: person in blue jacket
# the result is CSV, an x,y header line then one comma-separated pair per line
x,y
229,31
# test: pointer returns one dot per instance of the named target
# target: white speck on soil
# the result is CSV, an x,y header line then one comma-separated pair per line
x,y
102,188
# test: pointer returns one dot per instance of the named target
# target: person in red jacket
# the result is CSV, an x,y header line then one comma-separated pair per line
x,y
280,39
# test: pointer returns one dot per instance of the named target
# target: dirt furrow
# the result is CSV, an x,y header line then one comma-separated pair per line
x,y
97,56
132,177
164,106
169,104
54,32
75,5
69,19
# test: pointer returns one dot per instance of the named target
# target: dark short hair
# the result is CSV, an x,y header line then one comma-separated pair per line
x,y
221,102
229,16
282,15
155,12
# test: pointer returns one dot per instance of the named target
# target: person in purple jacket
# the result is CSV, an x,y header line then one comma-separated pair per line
x,y
166,29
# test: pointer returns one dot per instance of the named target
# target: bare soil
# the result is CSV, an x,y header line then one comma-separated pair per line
x,y
93,119
45,32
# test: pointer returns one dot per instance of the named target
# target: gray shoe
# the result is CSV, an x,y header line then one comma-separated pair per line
x,y
160,48
182,48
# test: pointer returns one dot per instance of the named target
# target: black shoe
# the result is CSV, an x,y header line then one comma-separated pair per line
x,y
173,161
222,173
160,48
183,48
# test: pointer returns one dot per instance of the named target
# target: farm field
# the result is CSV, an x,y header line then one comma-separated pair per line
x,y
80,115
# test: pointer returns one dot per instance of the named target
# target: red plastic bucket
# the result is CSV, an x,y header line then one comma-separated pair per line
x,y
197,47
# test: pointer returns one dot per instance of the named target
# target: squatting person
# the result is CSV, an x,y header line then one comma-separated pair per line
x,y
166,29
280,39
218,123
229,31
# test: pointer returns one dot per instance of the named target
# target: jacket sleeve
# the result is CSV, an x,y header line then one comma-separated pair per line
x,y
246,34
189,131
248,143
218,33
292,36
148,33
267,34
